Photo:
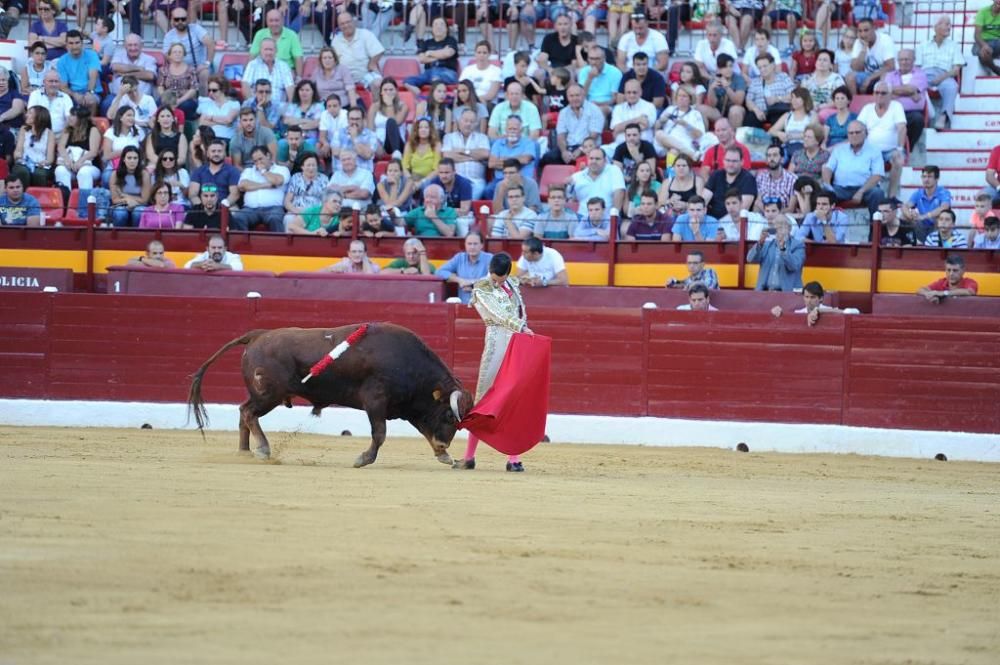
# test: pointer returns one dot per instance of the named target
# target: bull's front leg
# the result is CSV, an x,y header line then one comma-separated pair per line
x,y
377,421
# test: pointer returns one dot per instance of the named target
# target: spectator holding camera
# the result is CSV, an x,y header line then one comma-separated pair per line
x,y
780,256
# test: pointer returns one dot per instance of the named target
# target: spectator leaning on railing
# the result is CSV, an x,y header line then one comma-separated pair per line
x,y
954,284
541,266
155,257
216,257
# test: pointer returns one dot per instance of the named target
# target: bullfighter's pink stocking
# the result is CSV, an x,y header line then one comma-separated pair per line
x,y
470,448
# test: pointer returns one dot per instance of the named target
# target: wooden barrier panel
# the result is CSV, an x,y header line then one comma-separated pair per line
x,y
933,373
924,373
24,327
35,279
730,300
898,304
294,285
729,366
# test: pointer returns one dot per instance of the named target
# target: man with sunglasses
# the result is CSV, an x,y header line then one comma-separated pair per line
x,y
199,47
855,169
262,103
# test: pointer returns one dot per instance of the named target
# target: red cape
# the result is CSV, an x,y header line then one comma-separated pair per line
x,y
511,415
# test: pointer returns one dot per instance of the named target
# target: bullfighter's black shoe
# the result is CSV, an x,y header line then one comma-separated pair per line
x,y
464,464
515,467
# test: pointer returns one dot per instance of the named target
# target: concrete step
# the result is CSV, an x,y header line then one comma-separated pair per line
x,y
952,178
961,139
971,102
988,122
988,85
947,159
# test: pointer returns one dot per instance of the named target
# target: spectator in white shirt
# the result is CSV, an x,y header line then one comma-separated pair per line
x,y
886,123
942,61
709,48
267,66
540,266
470,150
485,76
263,187
355,185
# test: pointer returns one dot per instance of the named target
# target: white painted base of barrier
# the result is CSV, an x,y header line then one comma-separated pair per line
x,y
760,437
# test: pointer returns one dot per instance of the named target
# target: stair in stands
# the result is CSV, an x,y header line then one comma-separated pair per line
x,y
987,85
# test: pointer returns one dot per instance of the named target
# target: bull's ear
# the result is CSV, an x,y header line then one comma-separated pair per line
x,y
438,394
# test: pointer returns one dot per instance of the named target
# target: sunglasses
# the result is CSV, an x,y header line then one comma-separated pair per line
x,y
165,158
214,89
180,18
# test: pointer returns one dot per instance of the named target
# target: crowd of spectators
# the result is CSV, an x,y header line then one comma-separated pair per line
x,y
648,140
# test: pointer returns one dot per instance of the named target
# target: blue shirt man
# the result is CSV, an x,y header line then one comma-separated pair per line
x,y
18,208
599,79
466,267
824,224
695,225
78,64
927,202
225,177
503,148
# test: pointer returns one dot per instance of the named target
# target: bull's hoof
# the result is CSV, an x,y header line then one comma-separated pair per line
x,y
464,464
444,458
362,460
262,453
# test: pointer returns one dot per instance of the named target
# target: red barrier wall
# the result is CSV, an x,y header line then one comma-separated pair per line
x,y
901,372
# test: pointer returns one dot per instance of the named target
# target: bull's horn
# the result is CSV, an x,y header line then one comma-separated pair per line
x,y
455,395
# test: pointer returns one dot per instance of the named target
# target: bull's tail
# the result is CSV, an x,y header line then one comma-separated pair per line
x,y
196,404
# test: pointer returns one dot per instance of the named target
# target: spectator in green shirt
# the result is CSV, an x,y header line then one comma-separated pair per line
x,y
414,261
285,40
987,37
434,218
321,220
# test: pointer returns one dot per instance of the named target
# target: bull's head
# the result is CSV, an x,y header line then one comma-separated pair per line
x,y
450,409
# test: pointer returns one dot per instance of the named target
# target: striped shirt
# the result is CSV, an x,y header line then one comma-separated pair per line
x,y
931,55
779,86
955,241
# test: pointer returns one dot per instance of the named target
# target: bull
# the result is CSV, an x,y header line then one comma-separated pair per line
x,y
389,373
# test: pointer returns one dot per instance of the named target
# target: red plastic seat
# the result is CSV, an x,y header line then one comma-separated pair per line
x,y
51,201
380,168
309,66
860,101
158,57
72,217
554,174
102,124
400,68
410,100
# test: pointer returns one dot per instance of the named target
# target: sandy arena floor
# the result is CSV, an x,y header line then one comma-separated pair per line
x,y
155,547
